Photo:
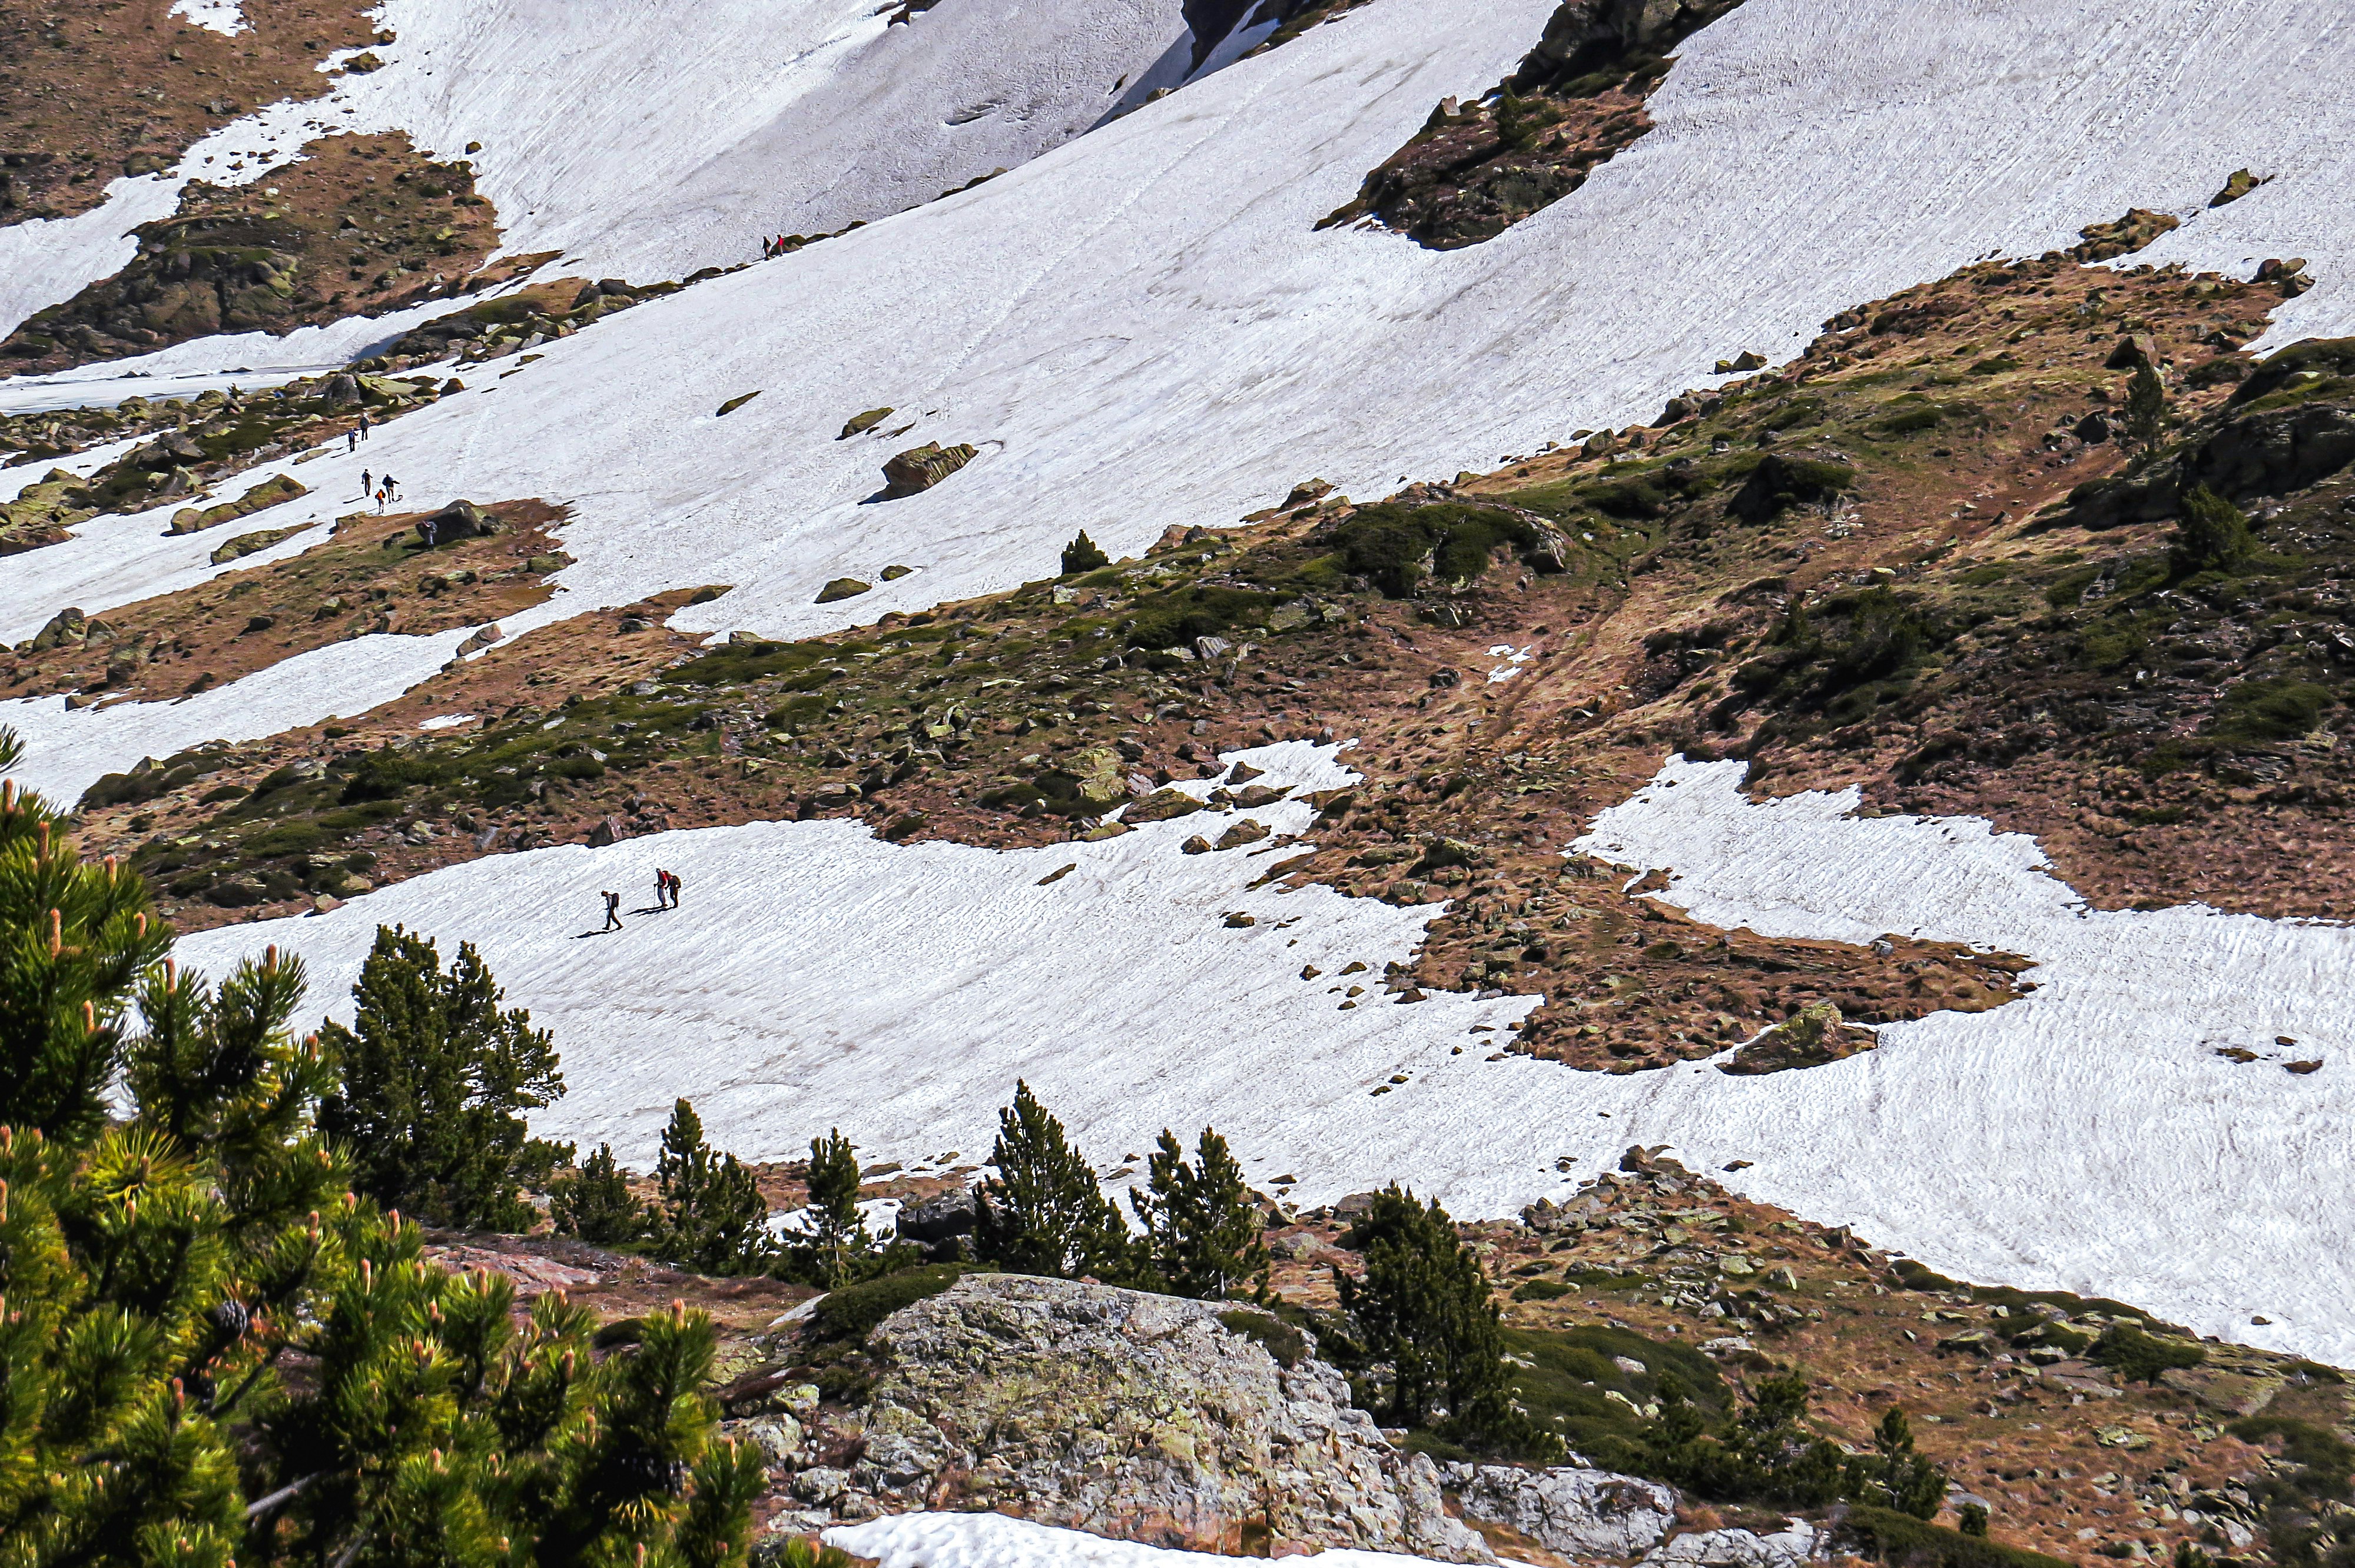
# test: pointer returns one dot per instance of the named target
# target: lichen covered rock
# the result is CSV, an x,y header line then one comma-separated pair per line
x,y
1137,1416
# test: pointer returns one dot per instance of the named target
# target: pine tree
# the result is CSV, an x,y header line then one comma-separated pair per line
x,y
837,1232
1423,1309
710,1214
1201,1229
1081,555
1425,1323
78,934
595,1202
1893,1475
2211,535
160,1271
1043,1213
434,1077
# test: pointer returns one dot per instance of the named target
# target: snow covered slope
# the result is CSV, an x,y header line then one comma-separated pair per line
x,y
649,139
2085,1136
1141,329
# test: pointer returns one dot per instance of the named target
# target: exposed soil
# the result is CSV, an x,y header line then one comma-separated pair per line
x,y
94,89
356,226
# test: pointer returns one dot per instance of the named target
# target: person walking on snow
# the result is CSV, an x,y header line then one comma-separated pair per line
x,y
613,911
351,440
392,487
363,424
662,888
673,887
367,483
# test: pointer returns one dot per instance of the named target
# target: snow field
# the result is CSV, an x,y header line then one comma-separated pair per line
x,y
2084,1137
66,752
646,139
995,1541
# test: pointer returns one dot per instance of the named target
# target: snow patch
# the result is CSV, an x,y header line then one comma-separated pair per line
x,y
995,1541
226,17
67,751
2085,1136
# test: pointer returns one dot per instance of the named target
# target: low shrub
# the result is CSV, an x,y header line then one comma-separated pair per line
x,y
849,1314
1903,1542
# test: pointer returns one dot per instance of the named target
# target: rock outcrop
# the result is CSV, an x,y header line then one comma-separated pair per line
x,y
1582,1513
1136,1416
920,468
1797,1542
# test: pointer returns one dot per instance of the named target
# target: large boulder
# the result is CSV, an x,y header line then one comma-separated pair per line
x,y
1796,1544
941,1225
1135,1416
920,468
459,520
1580,1513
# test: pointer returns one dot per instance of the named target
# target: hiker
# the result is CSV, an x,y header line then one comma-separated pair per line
x,y
367,482
673,887
351,440
662,888
363,424
392,487
383,494
613,911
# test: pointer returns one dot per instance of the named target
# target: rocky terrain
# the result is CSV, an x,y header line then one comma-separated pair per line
x,y
1213,1426
91,93
356,226
2038,540
1517,647
1478,168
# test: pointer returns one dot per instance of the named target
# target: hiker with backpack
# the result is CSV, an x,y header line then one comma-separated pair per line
x,y
613,911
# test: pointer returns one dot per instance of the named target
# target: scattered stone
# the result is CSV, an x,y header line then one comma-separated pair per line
x,y
943,1225
1161,806
1797,1542
859,424
1247,832
1197,844
842,589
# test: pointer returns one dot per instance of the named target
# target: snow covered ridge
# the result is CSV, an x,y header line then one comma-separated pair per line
x,y
2086,1137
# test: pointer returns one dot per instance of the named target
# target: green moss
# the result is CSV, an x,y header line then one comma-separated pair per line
x,y
1180,615
1286,1343
849,1314
1887,1536
2139,1357
2280,708
1779,483
1399,546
